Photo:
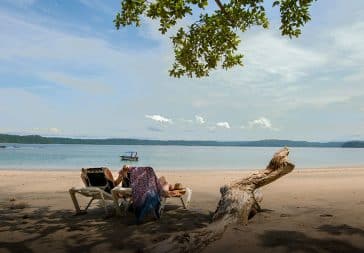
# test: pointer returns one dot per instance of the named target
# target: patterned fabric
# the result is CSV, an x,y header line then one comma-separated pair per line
x,y
146,191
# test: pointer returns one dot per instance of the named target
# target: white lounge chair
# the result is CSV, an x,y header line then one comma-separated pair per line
x,y
97,188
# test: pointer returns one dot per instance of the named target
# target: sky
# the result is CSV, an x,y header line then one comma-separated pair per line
x,y
66,71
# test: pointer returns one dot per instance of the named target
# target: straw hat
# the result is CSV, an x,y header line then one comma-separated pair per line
x,y
178,186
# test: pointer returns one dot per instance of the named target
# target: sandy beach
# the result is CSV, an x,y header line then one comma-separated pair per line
x,y
310,210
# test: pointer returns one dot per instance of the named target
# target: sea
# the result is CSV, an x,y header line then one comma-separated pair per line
x,y
74,157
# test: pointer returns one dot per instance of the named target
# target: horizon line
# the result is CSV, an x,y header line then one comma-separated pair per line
x,y
165,140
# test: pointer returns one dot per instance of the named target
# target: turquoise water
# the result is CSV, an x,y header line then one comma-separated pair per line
x,y
73,157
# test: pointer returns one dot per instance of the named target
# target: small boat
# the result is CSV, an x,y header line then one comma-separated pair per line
x,y
2,146
130,156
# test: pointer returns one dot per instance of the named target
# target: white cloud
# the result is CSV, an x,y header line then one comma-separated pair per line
x,y
271,59
261,122
159,118
223,124
38,49
295,75
200,120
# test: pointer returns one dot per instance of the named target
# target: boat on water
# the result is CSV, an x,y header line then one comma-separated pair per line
x,y
130,156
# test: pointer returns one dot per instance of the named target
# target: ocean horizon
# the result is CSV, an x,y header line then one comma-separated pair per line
x,y
76,156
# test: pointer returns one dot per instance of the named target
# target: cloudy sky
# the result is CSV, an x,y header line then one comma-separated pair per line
x,y
66,71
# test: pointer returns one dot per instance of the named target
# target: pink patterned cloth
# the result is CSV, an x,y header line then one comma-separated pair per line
x,y
146,191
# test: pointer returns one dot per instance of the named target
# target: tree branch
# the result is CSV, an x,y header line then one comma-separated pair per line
x,y
221,6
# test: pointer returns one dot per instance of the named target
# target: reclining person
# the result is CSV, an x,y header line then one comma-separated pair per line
x,y
111,182
169,189
124,179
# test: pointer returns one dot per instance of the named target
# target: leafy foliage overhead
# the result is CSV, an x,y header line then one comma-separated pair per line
x,y
212,40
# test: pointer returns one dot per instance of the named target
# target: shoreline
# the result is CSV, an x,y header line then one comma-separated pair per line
x,y
180,169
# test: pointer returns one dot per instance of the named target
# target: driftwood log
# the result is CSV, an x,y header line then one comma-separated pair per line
x,y
238,199
237,204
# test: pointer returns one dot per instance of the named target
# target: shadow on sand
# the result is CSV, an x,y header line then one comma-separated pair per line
x,y
45,230
294,241
343,229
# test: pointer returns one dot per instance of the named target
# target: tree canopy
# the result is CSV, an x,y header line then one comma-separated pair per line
x,y
212,40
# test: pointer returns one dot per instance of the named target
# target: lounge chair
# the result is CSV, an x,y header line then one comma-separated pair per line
x,y
183,194
98,188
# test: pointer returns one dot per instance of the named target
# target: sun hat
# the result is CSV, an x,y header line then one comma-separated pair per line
x,y
178,186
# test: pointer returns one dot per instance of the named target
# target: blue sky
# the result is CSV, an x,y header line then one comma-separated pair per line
x,y
66,71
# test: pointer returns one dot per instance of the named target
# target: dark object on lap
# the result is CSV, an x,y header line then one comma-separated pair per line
x,y
96,177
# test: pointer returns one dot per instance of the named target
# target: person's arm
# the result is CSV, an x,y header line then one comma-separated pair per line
x,y
119,179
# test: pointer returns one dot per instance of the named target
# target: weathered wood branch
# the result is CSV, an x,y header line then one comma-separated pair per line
x,y
239,201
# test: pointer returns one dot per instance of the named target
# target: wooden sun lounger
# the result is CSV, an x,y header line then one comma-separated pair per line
x,y
122,197
93,193
96,190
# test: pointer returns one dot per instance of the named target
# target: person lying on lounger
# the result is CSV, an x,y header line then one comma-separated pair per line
x,y
168,189
108,175
124,179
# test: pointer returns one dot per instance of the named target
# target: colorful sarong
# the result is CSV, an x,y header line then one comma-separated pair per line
x,y
146,192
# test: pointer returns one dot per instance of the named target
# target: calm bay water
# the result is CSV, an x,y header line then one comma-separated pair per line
x,y
74,157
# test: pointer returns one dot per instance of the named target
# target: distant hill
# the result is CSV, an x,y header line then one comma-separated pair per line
x,y
37,139
353,144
